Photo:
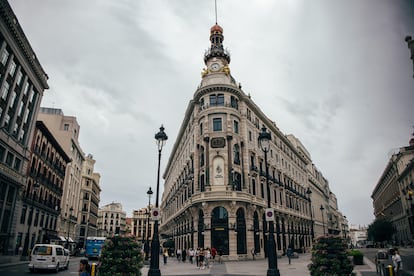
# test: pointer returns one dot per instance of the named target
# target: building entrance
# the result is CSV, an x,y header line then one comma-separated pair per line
x,y
220,230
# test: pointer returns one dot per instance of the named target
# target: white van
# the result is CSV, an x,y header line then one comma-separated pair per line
x,y
48,256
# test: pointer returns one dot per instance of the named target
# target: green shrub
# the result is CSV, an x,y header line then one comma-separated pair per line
x,y
121,256
329,257
358,257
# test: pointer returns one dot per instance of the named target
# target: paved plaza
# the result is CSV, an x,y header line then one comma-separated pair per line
x,y
298,267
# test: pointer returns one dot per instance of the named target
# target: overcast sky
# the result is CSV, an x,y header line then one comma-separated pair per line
x,y
336,74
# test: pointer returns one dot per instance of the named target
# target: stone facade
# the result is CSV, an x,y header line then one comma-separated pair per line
x,y
391,196
66,131
216,190
111,220
22,82
90,198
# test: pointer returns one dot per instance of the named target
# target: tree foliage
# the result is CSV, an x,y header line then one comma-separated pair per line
x,y
381,230
121,256
329,257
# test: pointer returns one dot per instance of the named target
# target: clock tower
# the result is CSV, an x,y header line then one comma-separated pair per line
x,y
216,59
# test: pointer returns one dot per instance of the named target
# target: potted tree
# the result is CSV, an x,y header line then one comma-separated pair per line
x,y
121,256
329,257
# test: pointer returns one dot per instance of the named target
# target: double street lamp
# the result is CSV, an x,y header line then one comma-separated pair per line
x,y
154,269
146,245
264,143
25,252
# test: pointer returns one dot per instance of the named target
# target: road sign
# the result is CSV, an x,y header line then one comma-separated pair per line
x,y
270,214
155,214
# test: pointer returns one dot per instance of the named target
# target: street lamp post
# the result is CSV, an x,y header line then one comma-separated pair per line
x,y
154,269
70,215
146,246
264,143
26,245
323,221
309,192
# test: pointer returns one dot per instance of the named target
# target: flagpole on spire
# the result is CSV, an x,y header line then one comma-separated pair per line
x,y
215,8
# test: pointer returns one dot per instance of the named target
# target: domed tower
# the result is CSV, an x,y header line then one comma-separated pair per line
x,y
217,60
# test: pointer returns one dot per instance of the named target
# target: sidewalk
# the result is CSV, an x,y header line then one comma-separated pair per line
x,y
10,260
298,267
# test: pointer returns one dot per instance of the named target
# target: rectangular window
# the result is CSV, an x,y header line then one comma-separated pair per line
x,y
201,129
13,98
217,125
19,78
217,99
66,127
4,57
9,159
31,97
250,135
2,153
236,126
12,68
19,113
23,215
17,163
5,90
26,88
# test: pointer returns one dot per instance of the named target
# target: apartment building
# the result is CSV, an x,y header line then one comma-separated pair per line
x,y
392,195
22,83
40,211
90,198
66,131
112,220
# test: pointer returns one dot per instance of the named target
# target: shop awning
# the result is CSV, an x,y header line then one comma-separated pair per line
x,y
64,239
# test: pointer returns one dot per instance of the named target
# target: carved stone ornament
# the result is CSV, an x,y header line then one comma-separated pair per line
x,y
218,142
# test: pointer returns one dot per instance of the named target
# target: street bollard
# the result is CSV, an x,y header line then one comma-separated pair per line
x,y
390,270
93,270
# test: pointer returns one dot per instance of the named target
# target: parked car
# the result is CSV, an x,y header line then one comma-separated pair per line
x,y
48,256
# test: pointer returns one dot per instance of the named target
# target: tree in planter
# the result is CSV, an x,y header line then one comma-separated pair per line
x,y
329,257
121,256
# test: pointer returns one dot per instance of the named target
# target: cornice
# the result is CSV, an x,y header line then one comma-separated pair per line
x,y
9,19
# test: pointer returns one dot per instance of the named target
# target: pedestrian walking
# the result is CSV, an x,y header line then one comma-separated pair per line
x,y
196,253
191,255
165,255
397,262
213,253
207,256
289,253
178,253
184,255
220,254
253,251
201,259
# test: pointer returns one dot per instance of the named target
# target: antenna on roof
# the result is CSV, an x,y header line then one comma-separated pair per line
x,y
215,7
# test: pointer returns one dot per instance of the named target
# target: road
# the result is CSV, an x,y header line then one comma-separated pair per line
x,y
22,269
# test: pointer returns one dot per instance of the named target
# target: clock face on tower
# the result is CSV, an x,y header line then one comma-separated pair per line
x,y
215,67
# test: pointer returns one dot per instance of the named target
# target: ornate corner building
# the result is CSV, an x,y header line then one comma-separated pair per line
x,y
215,192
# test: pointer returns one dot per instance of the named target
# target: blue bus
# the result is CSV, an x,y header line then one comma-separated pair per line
x,y
94,247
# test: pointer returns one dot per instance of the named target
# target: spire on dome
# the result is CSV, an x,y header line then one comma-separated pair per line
x,y
216,49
